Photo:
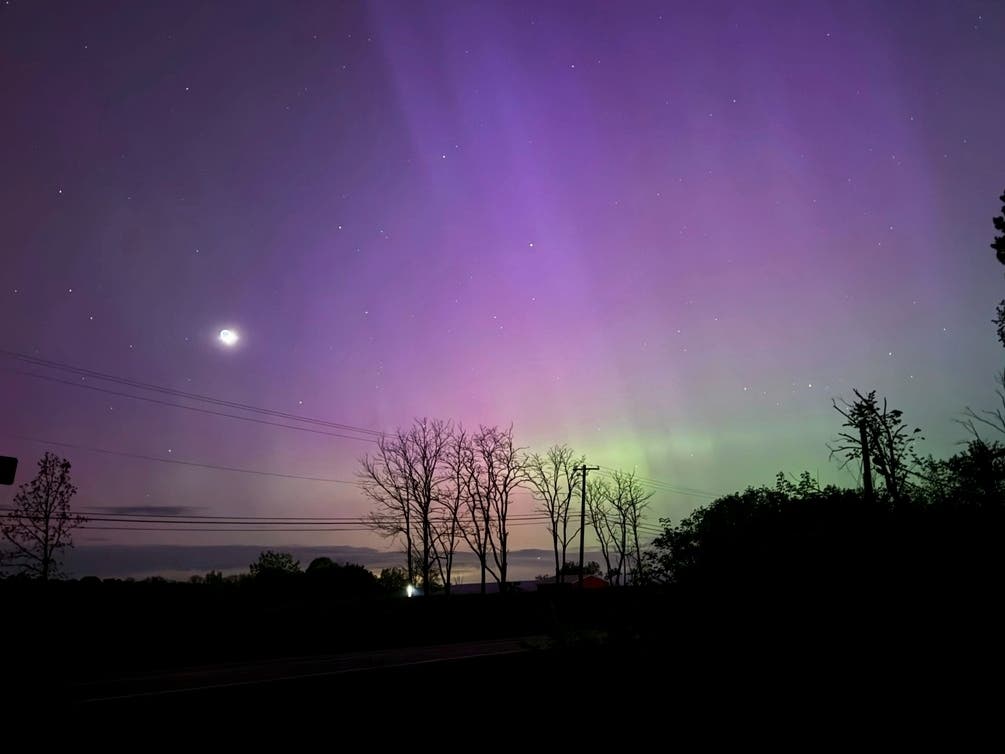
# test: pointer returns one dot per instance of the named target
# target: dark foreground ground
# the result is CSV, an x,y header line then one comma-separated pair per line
x,y
668,659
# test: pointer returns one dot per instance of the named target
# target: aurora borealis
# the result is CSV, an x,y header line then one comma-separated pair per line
x,y
664,233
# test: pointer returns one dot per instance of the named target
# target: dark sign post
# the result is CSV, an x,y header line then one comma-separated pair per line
x,y
8,466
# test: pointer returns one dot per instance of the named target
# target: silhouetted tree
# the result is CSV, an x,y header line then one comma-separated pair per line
x,y
393,580
974,477
346,579
320,565
617,509
448,525
598,511
805,487
403,478
554,483
469,472
635,502
490,468
769,536
500,472
275,565
999,246
947,532
39,528
385,479
879,439
993,419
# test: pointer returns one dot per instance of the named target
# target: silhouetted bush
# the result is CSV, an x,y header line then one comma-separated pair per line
x,y
948,530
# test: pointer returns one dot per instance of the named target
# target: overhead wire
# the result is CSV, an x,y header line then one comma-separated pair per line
x,y
61,366
196,409
178,461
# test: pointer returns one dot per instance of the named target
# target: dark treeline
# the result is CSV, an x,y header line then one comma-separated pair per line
x,y
912,520
800,534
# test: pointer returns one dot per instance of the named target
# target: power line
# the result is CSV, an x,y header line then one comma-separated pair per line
x,y
610,472
97,513
177,461
219,530
102,513
189,408
661,486
194,529
37,361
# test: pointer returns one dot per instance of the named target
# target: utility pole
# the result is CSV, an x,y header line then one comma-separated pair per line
x,y
582,517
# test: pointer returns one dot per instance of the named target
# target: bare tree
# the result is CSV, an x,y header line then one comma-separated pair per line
x,y
598,508
384,478
500,472
428,441
554,483
476,507
994,419
39,528
617,509
448,529
635,502
878,439
404,479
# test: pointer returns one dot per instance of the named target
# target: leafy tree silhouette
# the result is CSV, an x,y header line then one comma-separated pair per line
x,y
348,579
393,580
271,565
972,478
39,528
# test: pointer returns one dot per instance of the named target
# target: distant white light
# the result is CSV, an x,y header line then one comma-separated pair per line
x,y
409,590
229,337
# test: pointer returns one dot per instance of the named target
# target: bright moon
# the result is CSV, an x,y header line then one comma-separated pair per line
x,y
228,337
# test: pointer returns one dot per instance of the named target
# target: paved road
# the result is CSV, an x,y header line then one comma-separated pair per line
x,y
228,679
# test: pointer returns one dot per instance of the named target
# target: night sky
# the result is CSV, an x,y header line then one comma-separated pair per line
x,y
665,234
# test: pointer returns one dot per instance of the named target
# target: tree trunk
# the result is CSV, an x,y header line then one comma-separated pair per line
x,y
425,556
46,557
408,549
638,555
866,463
558,566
